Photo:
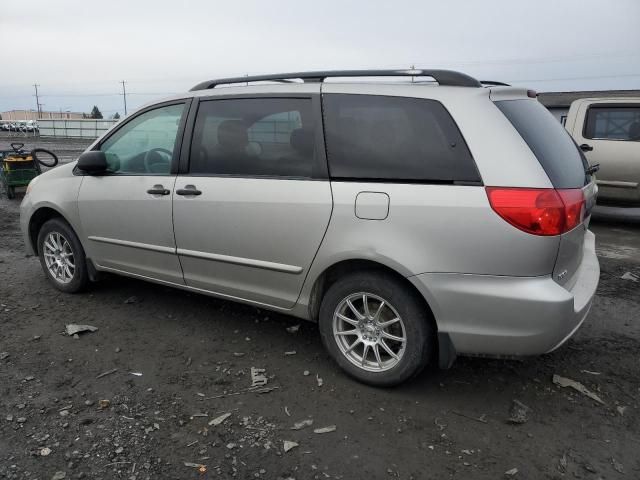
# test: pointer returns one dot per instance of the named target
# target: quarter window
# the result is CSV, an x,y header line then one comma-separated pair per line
x,y
613,123
145,144
255,137
394,138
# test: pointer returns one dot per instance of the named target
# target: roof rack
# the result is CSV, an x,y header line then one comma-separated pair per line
x,y
443,77
493,83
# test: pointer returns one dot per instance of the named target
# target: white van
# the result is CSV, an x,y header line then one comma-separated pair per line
x,y
608,132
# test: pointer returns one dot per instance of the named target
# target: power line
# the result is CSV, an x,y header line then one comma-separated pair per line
x,y
124,96
35,85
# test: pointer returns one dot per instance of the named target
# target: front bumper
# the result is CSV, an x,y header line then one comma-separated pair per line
x,y
26,209
510,316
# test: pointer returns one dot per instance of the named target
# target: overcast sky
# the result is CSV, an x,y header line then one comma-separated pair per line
x,y
79,50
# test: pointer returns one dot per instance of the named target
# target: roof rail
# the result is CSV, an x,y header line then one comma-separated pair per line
x,y
443,77
493,83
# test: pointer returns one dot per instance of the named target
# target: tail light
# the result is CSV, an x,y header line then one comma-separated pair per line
x,y
539,211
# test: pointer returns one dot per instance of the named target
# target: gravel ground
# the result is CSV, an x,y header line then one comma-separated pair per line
x,y
142,397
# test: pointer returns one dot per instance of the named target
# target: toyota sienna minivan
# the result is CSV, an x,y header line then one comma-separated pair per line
x,y
413,220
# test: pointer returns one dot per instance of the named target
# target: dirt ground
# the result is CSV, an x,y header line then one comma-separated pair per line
x,y
134,399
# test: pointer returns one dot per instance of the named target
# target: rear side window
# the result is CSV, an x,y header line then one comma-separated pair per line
x,y
394,138
272,137
548,140
611,122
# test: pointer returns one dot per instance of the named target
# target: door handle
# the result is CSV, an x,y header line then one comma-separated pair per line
x,y
158,190
586,148
188,190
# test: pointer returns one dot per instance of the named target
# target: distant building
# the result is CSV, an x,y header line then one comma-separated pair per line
x,y
558,103
16,115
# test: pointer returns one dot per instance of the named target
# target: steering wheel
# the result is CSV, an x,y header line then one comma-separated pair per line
x,y
152,157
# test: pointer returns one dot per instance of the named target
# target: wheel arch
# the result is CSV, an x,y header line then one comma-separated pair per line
x,y
331,273
38,218
445,350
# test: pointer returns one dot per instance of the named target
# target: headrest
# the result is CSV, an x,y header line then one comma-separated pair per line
x,y
302,141
232,134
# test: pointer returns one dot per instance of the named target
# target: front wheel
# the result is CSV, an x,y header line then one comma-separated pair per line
x,y
62,256
376,328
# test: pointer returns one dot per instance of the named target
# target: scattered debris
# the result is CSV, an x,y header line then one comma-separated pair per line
x,y
102,404
132,299
286,410
302,424
293,328
292,352
330,428
258,377
242,392
238,354
621,410
74,329
617,466
567,382
562,463
288,445
137,374
194,465
306,373
480,419
630,276
512,472
4,355
590,372
319,380
441,426
45,451
218,420
518,413
108,372
59,476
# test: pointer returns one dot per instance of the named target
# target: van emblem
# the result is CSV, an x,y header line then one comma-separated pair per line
x,y
562,274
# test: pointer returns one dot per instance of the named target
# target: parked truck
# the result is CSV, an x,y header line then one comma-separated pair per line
x,y
607,130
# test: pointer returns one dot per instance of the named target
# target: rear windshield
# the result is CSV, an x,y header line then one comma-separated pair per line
x,y
548,140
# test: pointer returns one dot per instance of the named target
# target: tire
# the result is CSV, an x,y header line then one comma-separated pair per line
x,y
416,327
11,192
56,232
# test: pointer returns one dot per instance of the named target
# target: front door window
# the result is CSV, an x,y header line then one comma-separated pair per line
x,y
146,144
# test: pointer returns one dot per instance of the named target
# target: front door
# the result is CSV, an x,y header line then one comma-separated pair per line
x,y
126,214
254,203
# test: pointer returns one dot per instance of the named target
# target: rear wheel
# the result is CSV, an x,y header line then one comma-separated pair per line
x,y
11,192
62,256
376,329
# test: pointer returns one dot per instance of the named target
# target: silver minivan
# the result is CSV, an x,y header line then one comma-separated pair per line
x,y
413,220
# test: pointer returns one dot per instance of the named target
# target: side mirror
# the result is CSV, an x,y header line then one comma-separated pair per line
x,y
93,162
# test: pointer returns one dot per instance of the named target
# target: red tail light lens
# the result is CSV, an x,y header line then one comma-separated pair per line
x,y
539,211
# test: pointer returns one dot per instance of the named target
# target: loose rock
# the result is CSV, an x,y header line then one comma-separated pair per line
x,y
74,329
518,413
288,445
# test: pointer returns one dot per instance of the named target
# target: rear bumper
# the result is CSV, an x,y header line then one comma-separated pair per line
x,y
510,316
618,193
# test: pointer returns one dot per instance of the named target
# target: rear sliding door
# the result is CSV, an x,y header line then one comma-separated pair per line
x,y
253,204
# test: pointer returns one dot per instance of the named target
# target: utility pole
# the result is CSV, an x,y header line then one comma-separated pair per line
x,y
35,85
124,96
